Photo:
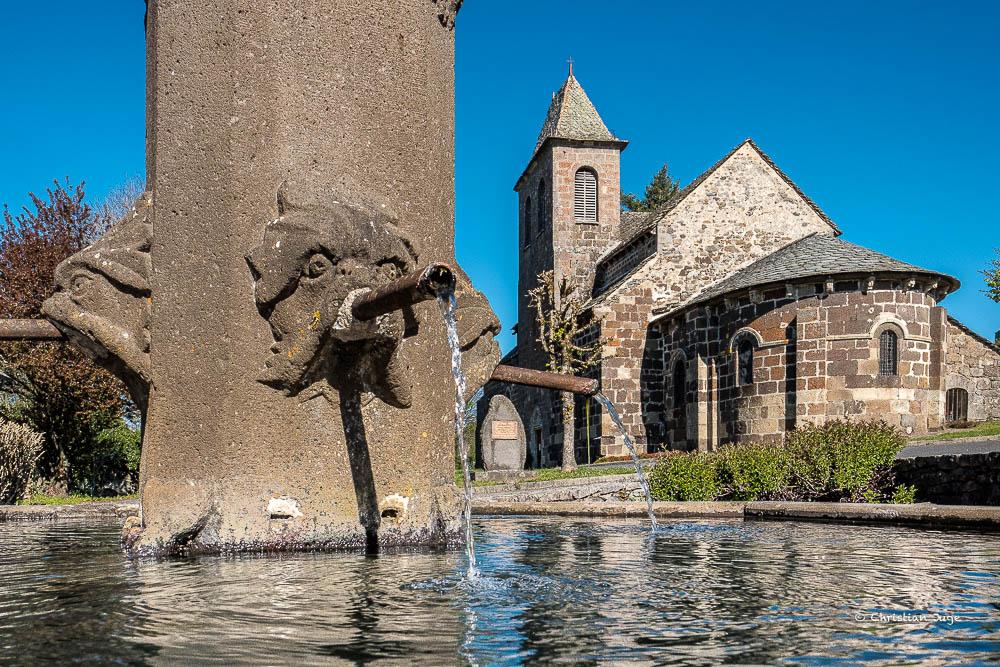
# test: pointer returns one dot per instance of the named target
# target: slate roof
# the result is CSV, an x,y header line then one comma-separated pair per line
x,y
814,255
572,116
632,222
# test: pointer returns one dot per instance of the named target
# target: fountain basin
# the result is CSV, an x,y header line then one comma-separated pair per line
x,y
571,589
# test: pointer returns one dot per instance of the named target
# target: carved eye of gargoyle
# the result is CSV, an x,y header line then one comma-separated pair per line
x,y
80,281
317,265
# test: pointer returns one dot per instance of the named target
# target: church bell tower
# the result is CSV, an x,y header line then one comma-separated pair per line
x,y
568,204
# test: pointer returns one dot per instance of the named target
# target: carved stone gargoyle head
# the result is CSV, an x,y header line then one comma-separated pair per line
x,y
102,300
314,259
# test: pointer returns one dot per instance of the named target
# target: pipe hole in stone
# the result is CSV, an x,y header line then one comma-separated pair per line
x,y
390,513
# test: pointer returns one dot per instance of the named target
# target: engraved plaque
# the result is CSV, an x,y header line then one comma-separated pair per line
x,y
504,430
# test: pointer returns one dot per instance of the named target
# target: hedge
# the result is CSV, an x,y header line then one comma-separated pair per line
x,y
838,461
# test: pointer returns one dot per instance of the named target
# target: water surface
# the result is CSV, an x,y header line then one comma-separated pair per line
x,y
570,590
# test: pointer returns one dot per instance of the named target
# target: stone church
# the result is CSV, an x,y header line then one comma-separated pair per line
x,y
732,313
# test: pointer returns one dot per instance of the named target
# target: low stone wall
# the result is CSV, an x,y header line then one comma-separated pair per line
x,y
118,510
966,479
602,488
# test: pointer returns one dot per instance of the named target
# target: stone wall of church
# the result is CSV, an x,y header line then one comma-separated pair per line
x,y
838,358
743,211
626,353
815,357
972,364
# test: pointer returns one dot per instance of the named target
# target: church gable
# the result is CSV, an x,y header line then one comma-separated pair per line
x,y
740,210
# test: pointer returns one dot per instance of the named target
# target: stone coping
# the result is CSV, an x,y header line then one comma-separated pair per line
x,y
664,510
920,514
930,440
120,509
495,489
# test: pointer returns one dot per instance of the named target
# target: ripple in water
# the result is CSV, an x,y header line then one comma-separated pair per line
x,y
572,590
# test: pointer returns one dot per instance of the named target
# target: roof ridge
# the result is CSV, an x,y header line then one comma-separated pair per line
x,y
572,115
813,205
982,339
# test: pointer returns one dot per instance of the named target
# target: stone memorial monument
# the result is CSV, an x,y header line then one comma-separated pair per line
x,y
502,438
299,154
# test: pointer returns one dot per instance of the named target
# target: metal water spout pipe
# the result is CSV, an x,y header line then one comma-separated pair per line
x,y
545,380
29,330
411,289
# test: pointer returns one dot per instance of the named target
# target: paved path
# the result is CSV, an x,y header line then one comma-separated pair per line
x,y
945,448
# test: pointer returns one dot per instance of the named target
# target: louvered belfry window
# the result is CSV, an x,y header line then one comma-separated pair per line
x,y
585,196
888,352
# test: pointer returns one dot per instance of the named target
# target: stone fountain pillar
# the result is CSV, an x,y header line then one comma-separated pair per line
x,y
299,151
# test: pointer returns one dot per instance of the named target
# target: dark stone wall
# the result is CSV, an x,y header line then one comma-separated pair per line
x,y
815,357
968,479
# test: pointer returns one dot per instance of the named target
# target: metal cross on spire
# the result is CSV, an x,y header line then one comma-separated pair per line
x,y
570,61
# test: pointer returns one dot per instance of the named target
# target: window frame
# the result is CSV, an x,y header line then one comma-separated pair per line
x,y
678,395
888,353
581,208
744,368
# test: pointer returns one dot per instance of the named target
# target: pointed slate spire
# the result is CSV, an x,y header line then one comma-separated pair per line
x,y
572,116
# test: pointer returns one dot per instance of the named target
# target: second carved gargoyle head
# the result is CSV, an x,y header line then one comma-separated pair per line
x,y
102,299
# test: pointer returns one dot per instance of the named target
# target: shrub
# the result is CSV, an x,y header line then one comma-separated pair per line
x,y
755,471
111,466
685,477
904,495
20,448
837,461
844,460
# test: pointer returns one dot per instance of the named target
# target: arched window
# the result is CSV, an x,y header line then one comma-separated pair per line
x,y
527,221
744,362
888,352
541,212
585,195
956,405
680,385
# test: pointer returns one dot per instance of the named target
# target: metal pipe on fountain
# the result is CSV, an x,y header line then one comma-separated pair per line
x,y
421,285
29,330
545,380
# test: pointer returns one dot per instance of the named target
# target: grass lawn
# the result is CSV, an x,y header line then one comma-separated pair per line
x,y
42,499
549,474
986,429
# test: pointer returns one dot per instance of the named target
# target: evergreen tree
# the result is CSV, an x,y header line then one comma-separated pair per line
x,y
992,275
659,191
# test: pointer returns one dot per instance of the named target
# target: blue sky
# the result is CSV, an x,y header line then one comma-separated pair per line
x,y
884,113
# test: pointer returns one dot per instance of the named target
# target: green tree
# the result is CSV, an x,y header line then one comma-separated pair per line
x,y
559,314
52,387
659,191
992,275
